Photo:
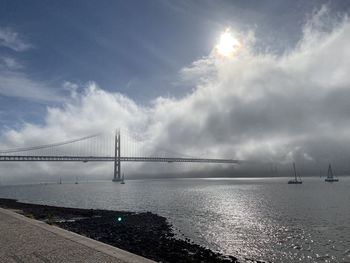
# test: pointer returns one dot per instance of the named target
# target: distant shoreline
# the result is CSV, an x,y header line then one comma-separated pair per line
x,y
145,234
170,178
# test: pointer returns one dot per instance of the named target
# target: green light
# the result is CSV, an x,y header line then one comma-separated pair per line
x,y
119,219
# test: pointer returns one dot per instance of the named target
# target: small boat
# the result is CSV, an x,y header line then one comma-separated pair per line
x,y
330,176
295,180
122,181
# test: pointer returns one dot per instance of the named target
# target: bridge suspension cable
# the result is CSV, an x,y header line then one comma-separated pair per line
x,y
44,146
103,147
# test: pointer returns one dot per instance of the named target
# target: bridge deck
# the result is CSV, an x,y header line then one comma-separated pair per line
x,y
23,158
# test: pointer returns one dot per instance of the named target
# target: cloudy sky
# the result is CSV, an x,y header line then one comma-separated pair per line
x,y
73,68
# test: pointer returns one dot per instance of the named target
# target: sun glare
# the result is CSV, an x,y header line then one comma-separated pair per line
x,y
228,45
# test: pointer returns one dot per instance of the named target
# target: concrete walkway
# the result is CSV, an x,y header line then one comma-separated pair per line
x,y
26,240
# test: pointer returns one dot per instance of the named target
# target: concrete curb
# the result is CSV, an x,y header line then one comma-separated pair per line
x,y
88,242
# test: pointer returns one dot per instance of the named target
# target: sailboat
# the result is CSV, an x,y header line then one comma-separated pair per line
x,y
295,180
60,181
330,176
76,180
122,181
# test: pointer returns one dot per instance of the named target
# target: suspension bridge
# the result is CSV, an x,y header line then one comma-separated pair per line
x,y
103,148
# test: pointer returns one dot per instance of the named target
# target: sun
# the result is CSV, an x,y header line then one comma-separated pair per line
x,y
228,45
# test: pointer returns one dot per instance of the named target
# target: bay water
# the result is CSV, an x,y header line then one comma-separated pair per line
x,y
254,218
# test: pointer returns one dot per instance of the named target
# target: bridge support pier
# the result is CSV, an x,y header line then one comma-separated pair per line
x,y
117,164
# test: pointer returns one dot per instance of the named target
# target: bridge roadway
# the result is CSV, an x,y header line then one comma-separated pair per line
x,y
46,158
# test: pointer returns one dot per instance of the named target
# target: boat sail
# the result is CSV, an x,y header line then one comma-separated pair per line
x,y
295,180
122,181
330,176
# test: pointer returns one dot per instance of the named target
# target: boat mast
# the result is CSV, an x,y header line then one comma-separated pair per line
x,y
330,172
295,172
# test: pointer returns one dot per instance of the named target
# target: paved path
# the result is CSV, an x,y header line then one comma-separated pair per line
x,y
26,240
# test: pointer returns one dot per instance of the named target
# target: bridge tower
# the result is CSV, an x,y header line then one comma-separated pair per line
x,y
117,163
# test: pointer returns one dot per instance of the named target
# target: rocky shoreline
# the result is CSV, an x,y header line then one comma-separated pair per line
x,y
145,234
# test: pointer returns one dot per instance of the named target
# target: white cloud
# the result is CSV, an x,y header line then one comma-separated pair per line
x,y
14,83
9,63
11,39
253,106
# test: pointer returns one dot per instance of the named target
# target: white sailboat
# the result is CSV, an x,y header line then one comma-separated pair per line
x,y
295,180
122,181
330,176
